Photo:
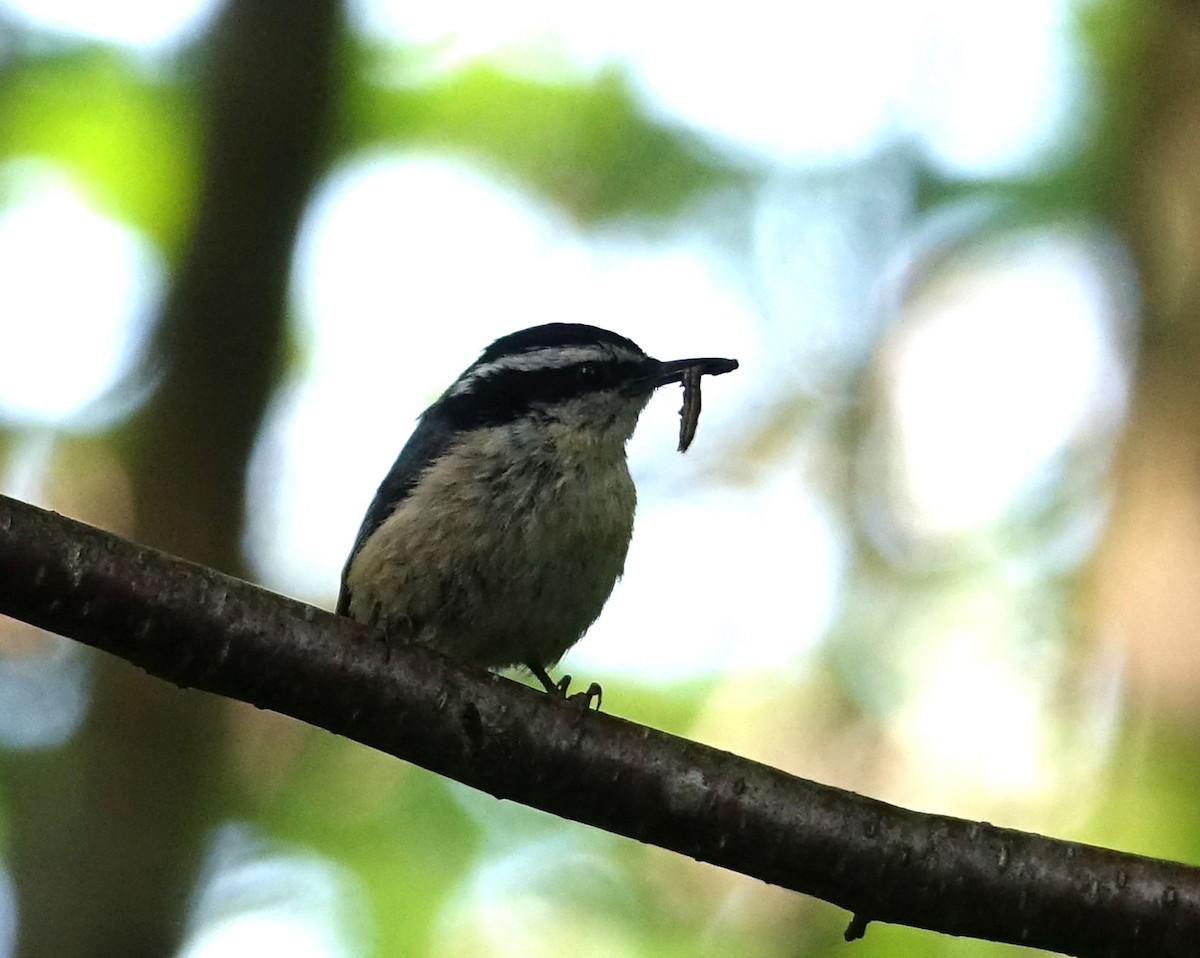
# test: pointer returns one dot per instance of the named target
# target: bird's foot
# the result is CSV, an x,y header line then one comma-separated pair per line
x,y
583,699
559,688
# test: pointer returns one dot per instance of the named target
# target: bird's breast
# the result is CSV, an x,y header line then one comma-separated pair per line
x,y
501,559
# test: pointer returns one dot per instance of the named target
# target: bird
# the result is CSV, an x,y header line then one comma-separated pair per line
x,y
498,534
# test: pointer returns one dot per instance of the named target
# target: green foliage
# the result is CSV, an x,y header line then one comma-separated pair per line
x,y
585,144
395,827
127,138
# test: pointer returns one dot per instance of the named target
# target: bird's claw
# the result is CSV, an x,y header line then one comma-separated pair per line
x,y
585,698
560,688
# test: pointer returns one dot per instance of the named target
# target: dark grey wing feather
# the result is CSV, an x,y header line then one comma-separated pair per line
x,y
429,442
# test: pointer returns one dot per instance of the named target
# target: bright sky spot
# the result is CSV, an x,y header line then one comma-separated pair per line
x,y
132,22
77,290
975,719
520,888
44,692
799,83
720,581
790,82
259,898
822,249
1000,360
983,721
8,914
254,934
977,116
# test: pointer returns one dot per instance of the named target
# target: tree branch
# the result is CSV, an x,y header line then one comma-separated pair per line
x,y
199,628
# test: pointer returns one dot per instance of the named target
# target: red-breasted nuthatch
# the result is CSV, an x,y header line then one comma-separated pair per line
x,y
501,529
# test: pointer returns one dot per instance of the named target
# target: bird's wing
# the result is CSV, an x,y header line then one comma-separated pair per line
x,y
429,442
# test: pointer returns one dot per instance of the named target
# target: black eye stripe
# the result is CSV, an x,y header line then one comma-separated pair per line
x,y
509,394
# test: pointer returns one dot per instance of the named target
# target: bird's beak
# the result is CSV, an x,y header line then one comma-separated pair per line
x,y
660,373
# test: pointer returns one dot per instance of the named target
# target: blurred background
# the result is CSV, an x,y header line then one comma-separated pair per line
x,y
937,541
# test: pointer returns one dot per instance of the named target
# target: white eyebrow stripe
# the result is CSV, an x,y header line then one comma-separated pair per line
x,y
551,357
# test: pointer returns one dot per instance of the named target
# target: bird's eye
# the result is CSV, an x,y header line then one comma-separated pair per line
x,y
588,372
